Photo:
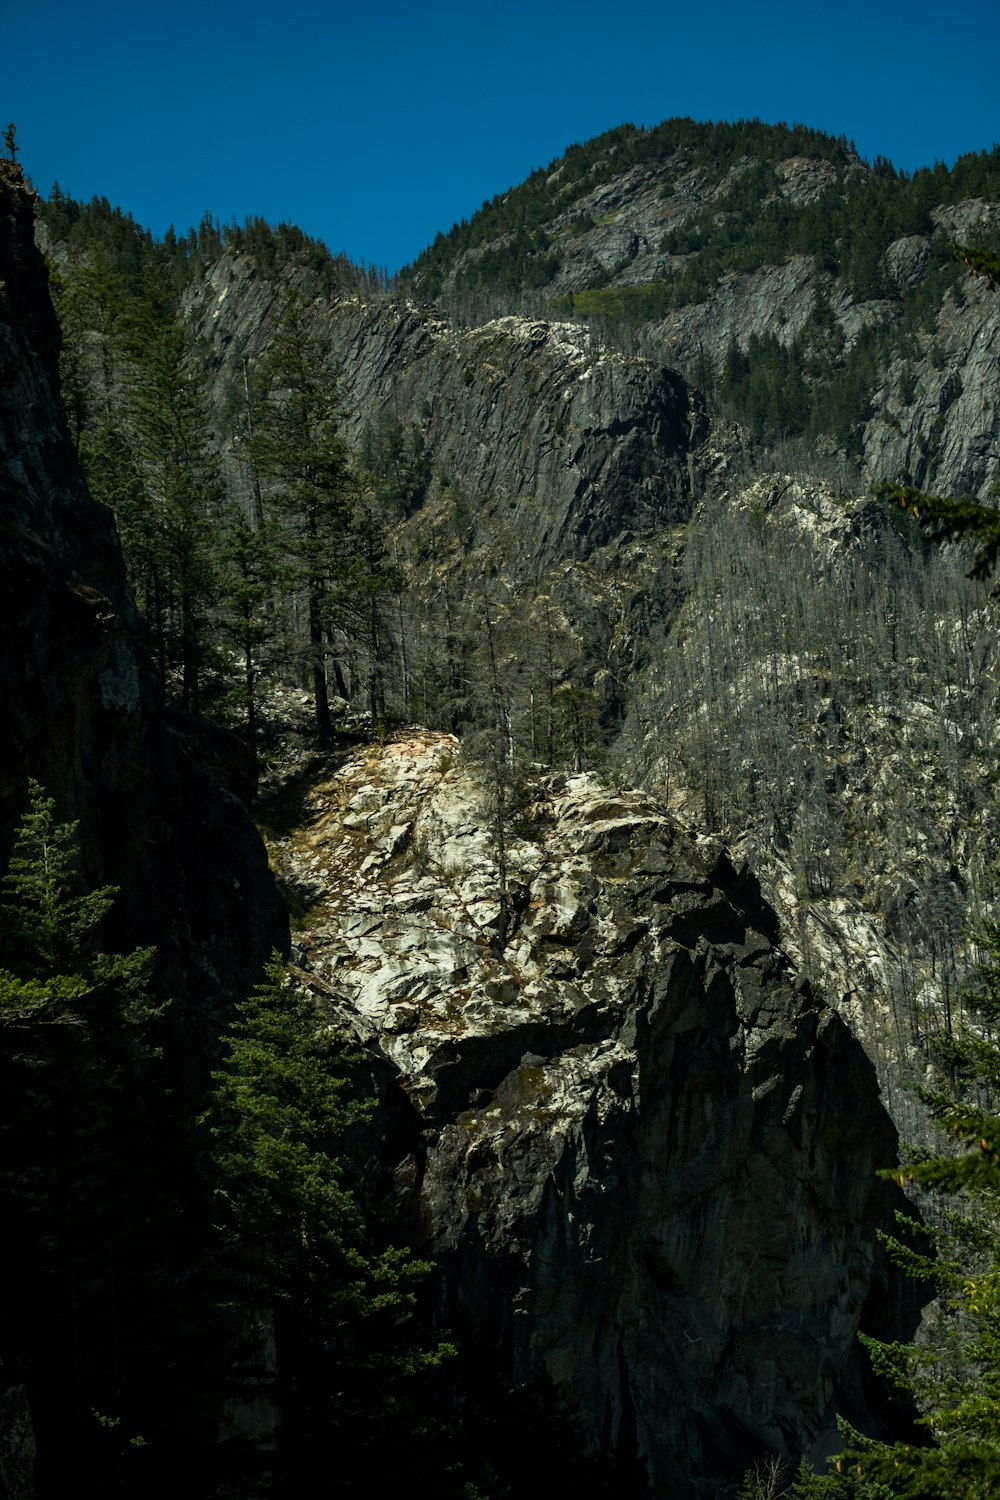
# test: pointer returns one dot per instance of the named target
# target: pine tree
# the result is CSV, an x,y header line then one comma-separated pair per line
x,y
47,924
358,599
248,567
80,1136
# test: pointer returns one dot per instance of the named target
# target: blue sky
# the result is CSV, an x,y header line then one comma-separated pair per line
x,y
372,126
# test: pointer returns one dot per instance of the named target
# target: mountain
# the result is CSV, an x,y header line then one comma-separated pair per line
x,y
608,526
724,241
750,623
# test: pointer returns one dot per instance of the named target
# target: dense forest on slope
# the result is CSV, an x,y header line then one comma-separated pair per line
x,y
725,203
602,507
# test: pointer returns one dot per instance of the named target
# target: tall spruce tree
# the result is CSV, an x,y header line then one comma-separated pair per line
x,y
246,615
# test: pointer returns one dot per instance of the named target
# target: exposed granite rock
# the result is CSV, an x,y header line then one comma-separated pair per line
x,y
649,1152
774,301
569,444
937,416
906,259
804,179
892,779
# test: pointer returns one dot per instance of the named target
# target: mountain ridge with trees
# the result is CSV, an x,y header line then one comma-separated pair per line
x,y
601,506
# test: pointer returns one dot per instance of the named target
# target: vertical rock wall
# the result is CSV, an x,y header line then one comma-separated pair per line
x,y
80,711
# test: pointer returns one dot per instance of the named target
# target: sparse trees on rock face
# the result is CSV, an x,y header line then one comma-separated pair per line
x,y
955,1373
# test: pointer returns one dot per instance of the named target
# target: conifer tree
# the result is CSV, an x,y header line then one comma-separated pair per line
x,y
83,1221
248,564
183,491
297,446
956,1374
286,1108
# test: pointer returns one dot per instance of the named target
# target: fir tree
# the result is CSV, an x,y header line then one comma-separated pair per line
x,y
183,492
84,1221
248,562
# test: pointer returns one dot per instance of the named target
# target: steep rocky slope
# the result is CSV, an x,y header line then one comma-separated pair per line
x,y
157,800
157,796
699,239
578,490
826,697
730,609
561,442
646,1152
545,452
797,677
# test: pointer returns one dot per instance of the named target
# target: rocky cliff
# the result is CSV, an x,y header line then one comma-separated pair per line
x,y
158,802
544,450
707,238
766,628
645,1151
158,798
642,1147
546,434
826,698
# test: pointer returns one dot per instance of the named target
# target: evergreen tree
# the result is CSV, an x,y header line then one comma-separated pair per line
x,y
248,564
358,600
956,1375
80,1139
183,491
287,1110
298,447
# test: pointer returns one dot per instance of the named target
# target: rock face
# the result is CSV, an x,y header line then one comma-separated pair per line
x,y
573,445
156,797
611,231
649,1153
560,442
